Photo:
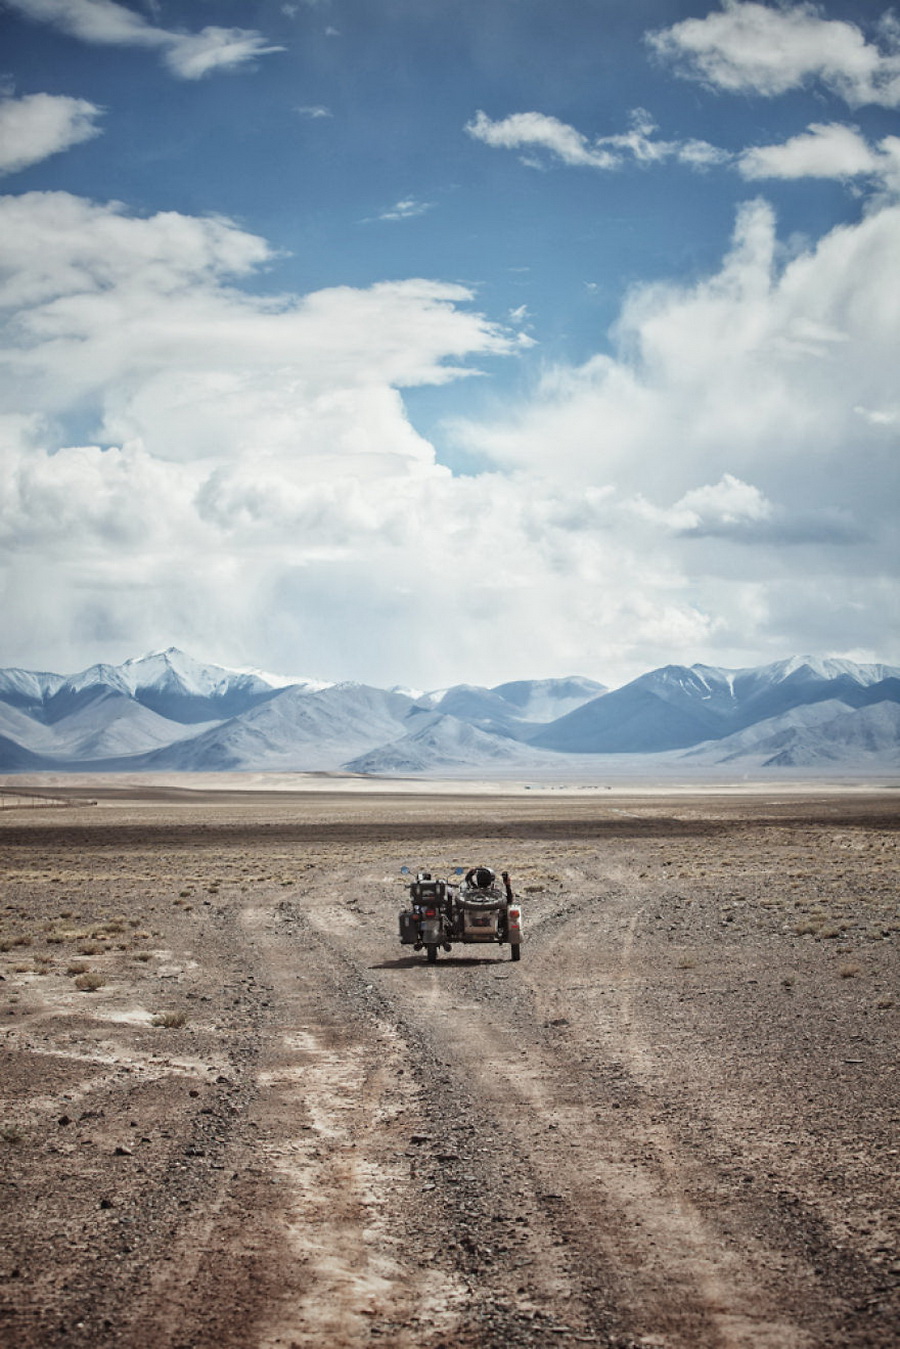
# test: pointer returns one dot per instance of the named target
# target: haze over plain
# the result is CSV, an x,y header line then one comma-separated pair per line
x,y
389,342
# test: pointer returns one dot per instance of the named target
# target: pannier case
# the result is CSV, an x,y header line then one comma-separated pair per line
x,y
409,926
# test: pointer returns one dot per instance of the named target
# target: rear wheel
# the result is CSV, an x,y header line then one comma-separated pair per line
x,y
431,951
515,951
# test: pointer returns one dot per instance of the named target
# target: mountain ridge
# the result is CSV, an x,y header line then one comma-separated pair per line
x,y
166,711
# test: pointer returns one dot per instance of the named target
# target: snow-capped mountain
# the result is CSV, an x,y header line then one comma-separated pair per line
x,y
168,712
294,730
677,707
169,683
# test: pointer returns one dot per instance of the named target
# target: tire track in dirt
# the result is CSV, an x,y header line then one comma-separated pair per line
x,y
632,1235
453,1209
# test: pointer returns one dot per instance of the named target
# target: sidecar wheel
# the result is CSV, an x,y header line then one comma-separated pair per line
x,y
431,949
515,951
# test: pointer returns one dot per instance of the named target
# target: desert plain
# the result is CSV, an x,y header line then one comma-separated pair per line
x,y
235,1112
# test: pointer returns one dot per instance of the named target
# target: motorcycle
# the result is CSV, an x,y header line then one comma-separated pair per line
x,y
478,909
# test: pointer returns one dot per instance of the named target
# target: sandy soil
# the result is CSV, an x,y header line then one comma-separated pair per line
x,y
673,1123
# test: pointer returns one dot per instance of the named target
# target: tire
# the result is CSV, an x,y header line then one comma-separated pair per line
x,y
431,950
515,951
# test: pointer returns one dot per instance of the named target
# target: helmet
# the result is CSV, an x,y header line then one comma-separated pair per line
x,y
482,877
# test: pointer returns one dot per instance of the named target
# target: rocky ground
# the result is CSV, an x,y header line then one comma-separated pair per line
x,y
235,1112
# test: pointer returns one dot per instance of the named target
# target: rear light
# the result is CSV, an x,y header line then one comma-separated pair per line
x,y
431,913
514,913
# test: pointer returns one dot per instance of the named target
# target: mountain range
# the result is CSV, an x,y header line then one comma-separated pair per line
x,y
167,712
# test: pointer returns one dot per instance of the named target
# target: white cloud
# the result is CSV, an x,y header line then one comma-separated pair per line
x,y
731,411
763,49
822,151
535,128
191,56
407,209
39,125
527,129
716,507
188,55
314,111
748,363
830,150
138,317
256,473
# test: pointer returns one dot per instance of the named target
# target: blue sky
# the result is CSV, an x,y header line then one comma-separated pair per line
x,y
396,340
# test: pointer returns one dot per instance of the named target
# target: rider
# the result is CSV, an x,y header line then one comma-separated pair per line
x,y
480,878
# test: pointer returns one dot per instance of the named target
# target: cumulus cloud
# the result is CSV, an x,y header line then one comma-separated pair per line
x,y
252,471
732,410
139,317
187,55
39,125
759,360
537,130
754,48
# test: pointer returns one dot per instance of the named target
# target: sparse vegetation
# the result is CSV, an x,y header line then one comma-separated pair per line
x,y
170,1020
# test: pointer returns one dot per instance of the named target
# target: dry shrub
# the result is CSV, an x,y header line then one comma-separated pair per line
x,y
849,970
89,982
171,1020
77,967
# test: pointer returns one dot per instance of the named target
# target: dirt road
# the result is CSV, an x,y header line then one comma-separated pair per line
x,y
673,1123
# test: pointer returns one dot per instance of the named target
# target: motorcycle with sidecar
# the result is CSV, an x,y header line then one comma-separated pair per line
x,y
479,909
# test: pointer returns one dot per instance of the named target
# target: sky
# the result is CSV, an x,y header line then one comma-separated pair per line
x,y
418,342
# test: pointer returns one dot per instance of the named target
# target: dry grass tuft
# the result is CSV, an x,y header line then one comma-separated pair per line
x,y
89,982
171,1020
